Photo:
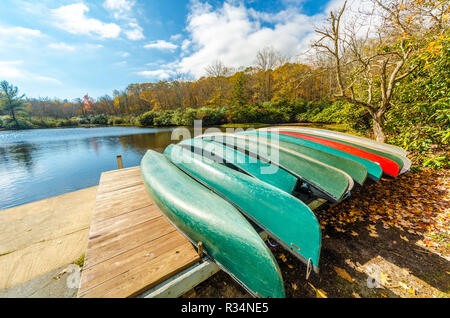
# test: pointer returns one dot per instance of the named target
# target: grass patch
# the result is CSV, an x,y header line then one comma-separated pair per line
x,y
80,261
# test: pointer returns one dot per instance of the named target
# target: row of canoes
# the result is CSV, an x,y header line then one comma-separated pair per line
x,y
219,188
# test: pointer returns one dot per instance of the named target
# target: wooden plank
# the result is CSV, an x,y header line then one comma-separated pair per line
x,y
121,263
104,247
138,279
124,220
131,246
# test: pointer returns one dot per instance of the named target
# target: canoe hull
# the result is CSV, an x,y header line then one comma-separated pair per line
x,y
354,169
252,166
327,182
282,216
202,216
389,166
334,134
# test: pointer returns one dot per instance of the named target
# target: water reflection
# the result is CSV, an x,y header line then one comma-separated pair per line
x,y
37,164
22,154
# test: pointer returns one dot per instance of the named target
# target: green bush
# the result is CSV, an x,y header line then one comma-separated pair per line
x,y
9,123
147,119
67,123
99,120
163,119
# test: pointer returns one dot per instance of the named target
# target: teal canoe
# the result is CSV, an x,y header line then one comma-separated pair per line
x,y
373,169
202,216
343,136
284,217
353,168
325,181
373,147
252,166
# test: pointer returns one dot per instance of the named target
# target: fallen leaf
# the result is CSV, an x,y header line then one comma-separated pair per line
x,y
384,278
343,274
404,238
283,258
294,286
321,294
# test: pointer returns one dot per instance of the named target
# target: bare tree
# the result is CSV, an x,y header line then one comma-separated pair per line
x,y
267,60
367,65
217,69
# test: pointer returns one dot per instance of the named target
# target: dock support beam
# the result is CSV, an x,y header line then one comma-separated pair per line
x,y
119,162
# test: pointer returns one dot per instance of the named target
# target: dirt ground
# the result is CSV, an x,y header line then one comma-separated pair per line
x,y
389,239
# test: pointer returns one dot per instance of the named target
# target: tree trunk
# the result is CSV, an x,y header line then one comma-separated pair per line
x,y
378,128
14,117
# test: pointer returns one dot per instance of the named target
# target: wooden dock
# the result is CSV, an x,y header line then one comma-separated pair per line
x,y
132,248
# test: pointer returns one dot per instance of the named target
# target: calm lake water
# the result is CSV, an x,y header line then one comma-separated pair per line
x,y
41,163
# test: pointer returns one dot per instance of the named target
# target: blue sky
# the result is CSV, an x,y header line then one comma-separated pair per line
x,y
68,48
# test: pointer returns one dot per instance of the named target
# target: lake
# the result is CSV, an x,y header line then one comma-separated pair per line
x,y
40,163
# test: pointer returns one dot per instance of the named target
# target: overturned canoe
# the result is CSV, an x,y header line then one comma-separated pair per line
x,y
373,147
203,216
403,162
285,218
373,168
347,137
353,168
389,166
265,171
325,181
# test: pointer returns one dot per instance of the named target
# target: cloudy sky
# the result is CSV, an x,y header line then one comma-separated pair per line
x,y
68,48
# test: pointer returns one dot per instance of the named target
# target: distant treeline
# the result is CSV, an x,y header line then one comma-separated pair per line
x,y
391,83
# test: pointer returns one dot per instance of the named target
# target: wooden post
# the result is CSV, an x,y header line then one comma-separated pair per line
x,y
200,249
119,162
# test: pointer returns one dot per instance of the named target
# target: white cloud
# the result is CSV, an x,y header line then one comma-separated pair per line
x,y
19,32
185,45
234,34
13,70
135,32
161,45
61,46
123,54
72,19
176,37
10,69
159,74
119,7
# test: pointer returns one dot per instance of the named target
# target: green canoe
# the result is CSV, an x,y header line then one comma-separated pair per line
x,y
202,216
374,169
353,168
252,166
325,181
361,140
284,217
374,147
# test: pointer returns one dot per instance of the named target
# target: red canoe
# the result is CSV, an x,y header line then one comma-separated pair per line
x,y
388,166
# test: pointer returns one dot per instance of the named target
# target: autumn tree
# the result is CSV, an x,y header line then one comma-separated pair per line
x,y
238,95
370,60
87,104
10,100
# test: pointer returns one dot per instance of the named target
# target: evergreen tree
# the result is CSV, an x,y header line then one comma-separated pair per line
x,y
10,101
